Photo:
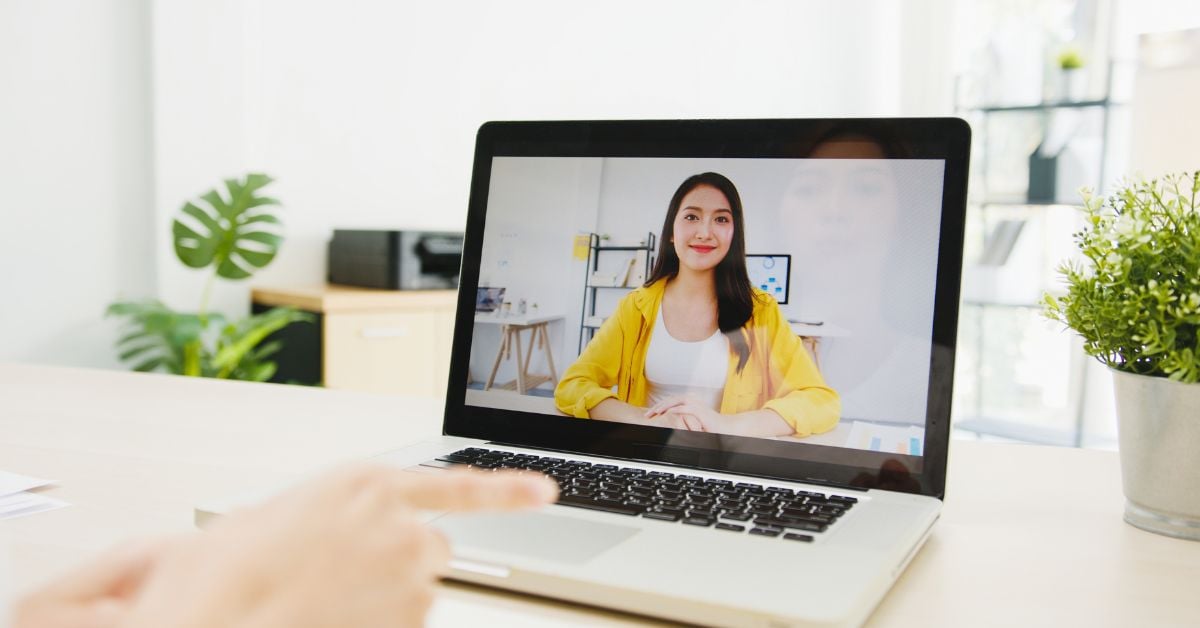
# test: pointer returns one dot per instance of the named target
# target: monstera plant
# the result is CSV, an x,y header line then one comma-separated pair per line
x,y
235,234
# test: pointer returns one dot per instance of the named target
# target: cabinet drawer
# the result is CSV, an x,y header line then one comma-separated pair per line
x,y
393,352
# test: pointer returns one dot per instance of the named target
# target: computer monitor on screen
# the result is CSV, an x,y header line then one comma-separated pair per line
x,y
771,274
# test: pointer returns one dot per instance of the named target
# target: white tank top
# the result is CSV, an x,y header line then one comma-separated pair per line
x,y
695,370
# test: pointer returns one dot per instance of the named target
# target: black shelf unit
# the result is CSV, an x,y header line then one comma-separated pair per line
x,y
595,248
1043,106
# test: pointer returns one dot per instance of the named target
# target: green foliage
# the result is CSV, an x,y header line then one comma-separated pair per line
x,y
1070,58
236,235
161,339
1135,298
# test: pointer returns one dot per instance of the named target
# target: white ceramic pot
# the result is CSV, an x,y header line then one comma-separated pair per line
x,y
1158,423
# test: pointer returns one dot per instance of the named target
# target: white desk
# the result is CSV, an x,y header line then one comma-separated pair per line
x,y
510,338
1029,536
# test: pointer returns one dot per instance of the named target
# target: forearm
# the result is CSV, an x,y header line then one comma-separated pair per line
x,y
760,423
612,409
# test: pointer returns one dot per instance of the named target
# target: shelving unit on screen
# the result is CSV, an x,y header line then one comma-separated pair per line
x,y
630,271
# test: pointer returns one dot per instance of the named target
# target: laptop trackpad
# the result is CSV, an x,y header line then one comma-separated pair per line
x,y
533,534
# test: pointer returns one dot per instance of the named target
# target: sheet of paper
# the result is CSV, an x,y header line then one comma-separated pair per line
x,y
23,504
580,250
15,483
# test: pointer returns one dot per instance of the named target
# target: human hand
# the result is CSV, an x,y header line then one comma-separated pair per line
x,y
677,421
665,404
97,595
344,550
703,417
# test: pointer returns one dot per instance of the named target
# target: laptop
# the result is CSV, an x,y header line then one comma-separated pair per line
x,y
719,464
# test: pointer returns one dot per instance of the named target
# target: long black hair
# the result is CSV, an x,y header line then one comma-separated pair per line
x,y
735,297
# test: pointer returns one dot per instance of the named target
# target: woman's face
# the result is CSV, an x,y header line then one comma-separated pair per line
x,y
703,229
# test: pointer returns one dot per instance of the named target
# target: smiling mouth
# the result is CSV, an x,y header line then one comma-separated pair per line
x,y
699,248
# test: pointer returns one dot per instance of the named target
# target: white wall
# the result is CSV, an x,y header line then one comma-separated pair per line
x,y
366,111
113,112
76,175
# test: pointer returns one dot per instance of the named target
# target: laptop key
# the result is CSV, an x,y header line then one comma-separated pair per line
x,y
604,505
806,526
792,536
765,531
698,521
664,516
457,458
730,526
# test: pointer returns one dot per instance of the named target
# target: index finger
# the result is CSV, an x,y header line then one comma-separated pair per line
x,y
474,490
116,573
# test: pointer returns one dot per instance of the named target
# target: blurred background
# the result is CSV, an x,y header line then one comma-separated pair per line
x,y
114,112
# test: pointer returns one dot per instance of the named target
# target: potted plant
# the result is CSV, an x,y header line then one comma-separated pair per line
x,y
1135,300
1070,66
236,235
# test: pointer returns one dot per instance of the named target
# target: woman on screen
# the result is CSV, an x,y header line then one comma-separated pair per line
x,y
697,347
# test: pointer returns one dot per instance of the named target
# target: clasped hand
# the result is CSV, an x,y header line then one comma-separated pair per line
x,y
682,413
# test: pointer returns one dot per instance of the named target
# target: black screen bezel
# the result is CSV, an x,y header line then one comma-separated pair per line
x,y
947,139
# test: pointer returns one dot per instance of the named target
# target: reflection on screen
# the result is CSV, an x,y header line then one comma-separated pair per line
x,y
796,303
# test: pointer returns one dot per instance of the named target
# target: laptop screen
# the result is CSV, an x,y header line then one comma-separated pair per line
x,y
783,299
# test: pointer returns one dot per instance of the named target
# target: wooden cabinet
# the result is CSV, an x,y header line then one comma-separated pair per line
x,y
381,341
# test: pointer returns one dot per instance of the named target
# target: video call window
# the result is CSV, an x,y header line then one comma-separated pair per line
x,y
789,299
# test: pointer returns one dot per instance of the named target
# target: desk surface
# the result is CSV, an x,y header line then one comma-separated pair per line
x,y
332,298
1029,535
517,320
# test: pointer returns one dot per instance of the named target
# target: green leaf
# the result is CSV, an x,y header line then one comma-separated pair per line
x,y
134,352
1136,300
251,332
267,350
261,372
150,365
222,227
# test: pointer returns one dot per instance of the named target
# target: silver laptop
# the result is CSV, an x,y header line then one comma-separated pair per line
x,y
767,452
731,342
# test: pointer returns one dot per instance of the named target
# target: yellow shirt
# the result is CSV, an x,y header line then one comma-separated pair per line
x,y
778,375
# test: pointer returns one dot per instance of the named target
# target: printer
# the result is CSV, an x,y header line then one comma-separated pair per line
x,y
395,260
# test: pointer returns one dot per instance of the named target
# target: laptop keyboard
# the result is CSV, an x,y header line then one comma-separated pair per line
x,y
741,507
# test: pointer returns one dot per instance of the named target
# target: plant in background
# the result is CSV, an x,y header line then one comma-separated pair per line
x,y
1070,58
1135,299
236,235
